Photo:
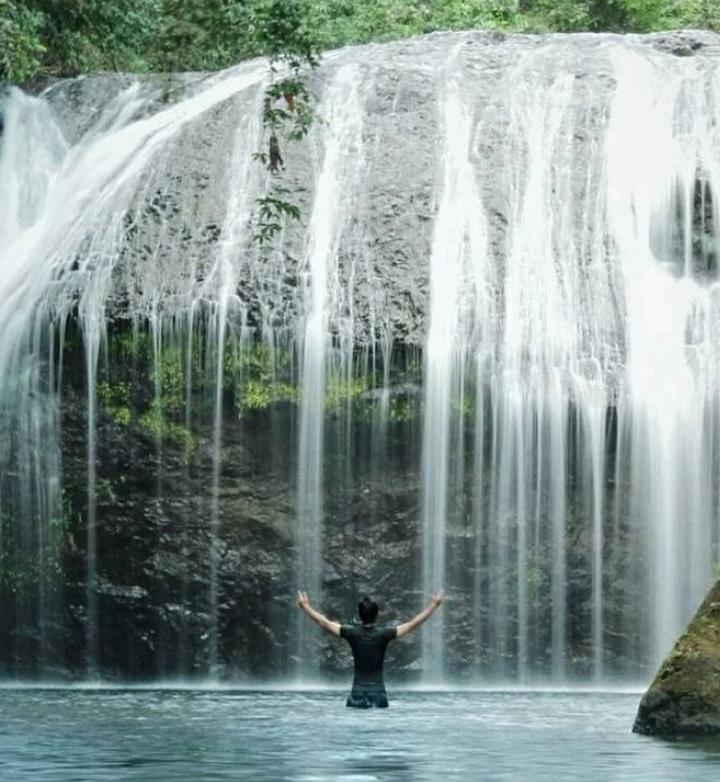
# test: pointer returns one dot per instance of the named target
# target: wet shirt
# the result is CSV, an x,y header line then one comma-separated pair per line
x,y
368,644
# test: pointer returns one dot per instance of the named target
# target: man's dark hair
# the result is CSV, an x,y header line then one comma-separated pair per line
x,y
368,610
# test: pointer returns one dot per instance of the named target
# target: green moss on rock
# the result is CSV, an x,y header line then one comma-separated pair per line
x,y
259,394
158,426
402,411
684,697
341,391
116,399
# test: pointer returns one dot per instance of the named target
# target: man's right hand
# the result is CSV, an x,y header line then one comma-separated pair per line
x,y
303,600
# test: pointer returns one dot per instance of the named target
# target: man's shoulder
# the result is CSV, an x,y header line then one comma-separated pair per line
x,y
350,630
388,632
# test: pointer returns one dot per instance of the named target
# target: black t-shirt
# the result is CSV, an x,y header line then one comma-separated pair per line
x,y
368,644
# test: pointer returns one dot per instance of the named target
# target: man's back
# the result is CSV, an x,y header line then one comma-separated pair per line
x,y
368,643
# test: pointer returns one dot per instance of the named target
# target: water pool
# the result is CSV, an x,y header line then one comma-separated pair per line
x,y
93,735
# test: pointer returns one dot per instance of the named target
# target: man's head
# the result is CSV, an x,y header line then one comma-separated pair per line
x,y
368,610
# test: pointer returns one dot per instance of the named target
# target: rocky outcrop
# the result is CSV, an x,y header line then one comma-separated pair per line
x,y
684,697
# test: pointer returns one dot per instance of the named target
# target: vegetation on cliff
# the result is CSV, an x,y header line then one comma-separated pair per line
x,y
160,387
64,37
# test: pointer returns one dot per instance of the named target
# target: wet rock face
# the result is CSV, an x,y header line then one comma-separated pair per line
x,y
154,544
682,43
684,697
153,564
178,216
178,220
154,547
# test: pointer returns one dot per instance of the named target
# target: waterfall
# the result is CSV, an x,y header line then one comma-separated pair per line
x,y
63,231
671,375
341,111
486,359
457,266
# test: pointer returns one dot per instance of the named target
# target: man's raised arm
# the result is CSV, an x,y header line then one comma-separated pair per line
x,y
426,613
316,616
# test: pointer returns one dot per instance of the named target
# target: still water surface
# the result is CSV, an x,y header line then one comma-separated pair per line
x,y
203,736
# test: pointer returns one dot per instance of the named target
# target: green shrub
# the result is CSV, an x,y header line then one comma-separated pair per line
x,y
21,44
69,36
156,424
116,399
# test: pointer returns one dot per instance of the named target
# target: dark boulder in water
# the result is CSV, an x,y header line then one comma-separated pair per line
x,y
684,697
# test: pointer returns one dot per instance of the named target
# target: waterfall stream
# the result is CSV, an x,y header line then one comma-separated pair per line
x,y
486,360
342,114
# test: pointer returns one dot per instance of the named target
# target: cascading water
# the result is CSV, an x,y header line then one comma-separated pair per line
x,y
342,112
64,236
487,360
458,263
671,374
224,279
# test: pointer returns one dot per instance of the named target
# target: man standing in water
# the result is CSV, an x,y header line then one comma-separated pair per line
x,y
368,643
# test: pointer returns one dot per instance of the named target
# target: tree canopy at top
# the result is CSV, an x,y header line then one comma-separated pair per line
x,y
65,37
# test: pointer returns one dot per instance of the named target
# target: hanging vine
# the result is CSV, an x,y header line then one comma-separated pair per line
x,y
287,105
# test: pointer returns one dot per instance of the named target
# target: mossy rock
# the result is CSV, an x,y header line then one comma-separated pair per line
x,y
684,697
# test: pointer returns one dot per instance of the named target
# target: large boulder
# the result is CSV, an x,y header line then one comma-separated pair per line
x,y
684,697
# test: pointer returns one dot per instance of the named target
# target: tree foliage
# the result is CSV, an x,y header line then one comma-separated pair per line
x,y
21,45
71,36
